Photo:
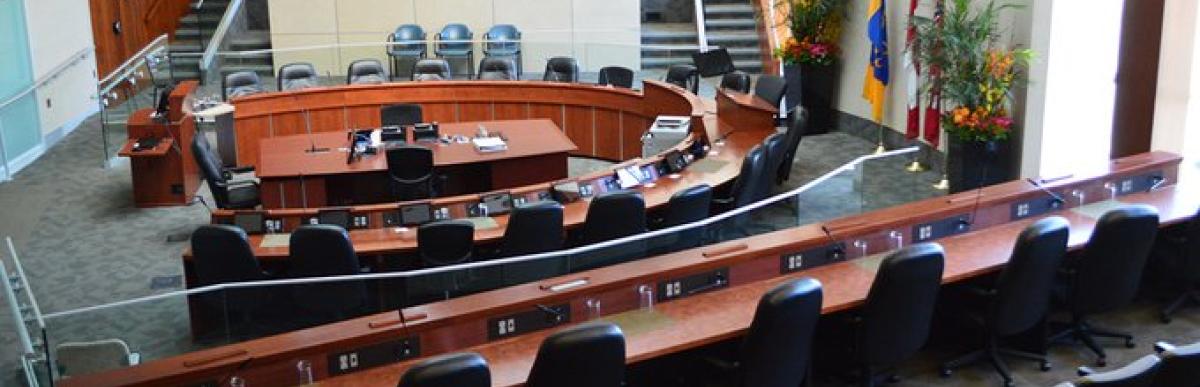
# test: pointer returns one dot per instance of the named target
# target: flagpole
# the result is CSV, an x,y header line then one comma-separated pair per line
x,y
944,184
879,148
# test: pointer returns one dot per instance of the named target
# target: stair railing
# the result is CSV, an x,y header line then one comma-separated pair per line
x,y
219,39
701,27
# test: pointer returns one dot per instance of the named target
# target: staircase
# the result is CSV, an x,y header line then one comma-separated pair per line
x,y
197,28
733,24
665,44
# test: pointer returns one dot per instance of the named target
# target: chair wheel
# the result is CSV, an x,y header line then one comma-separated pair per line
x,y
1130,344
946,372
1044,366
1009,383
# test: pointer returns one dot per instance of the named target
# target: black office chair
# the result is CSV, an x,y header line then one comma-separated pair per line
x,y
463,369
776,147
456,41
436,69
1178,256
616,76
611,215
777,349
533,228
240,84
1180,365
1021,296
771,88
222,254
1140,373
441,243
401,114
895,319
746,189
737,81
497,69
322,250
687,206
227,192
503,40
685,76
366,72
297,76
797,127
407,42
1108,273
587,355
561,69
411,171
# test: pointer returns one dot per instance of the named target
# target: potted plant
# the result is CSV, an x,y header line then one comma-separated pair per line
x,y
975,75
810,57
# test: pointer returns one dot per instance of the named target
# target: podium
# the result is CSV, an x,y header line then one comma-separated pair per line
x,y
165,175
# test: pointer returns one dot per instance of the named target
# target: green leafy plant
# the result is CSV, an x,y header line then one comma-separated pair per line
x,y
816,28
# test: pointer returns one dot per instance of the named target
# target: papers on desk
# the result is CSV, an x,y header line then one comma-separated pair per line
x,y
275,240
483,223
489,144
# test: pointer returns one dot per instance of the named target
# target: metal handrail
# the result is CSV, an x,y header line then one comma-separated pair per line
x,y
50,76
37,311
497,262
214,43
11,296
701,28
127,67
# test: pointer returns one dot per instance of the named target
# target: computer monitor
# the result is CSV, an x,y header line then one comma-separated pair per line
x,y
629,177
649,174
675,162
251,221
416,214
163,103
497,203
338,217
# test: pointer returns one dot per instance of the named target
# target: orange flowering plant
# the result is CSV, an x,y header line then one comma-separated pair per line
x,y
985,117
816,27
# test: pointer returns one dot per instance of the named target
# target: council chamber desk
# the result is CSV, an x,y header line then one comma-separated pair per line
x,y
293,176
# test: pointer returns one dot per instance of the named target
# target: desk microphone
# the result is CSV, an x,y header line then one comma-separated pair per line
x,y
554,315
1056,202
838,252
312,140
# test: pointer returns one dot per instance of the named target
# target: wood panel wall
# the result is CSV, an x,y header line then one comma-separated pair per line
x,y
1137,77
121,28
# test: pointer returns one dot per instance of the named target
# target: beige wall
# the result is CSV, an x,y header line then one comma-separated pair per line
x,y
59,29
594,32
1177,111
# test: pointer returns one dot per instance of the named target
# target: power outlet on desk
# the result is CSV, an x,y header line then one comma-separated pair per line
x,y
693,284
1034,207
392,219
374,355
519,200
533,320
273,226
360,222
1141,183
791,263
940,229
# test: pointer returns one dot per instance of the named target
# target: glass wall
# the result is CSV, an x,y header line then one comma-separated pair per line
x,y
19,131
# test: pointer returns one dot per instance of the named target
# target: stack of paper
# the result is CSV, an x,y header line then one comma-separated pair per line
x,y
489,144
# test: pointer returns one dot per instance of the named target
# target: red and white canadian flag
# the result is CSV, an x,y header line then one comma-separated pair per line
x,y
913,72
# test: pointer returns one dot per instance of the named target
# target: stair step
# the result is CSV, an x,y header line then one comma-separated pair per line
x,y
729,9
731,23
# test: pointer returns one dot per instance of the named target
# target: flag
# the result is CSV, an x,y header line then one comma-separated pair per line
x,y
913,69
933,112
876,80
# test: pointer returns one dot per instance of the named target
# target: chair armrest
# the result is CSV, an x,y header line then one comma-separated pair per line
x,y
1163,346
981,292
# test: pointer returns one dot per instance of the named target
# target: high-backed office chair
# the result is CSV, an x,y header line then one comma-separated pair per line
x,y
685,76
227,192
737,81
411,171
366,72
401,114
895,319
1140,373
322,250
1180,365
221,254
797,127
561,69
456,41
587,355
771,88
1178,255
441,243
407,42
690,205
240,84
463,369
1021,297
533,228
503,40
744,190
497,69
611,215
1108,273
776,146
297,76
436,69
777,350
616,76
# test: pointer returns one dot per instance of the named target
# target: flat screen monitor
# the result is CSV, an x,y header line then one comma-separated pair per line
x,y
252,222
566,192
610,184
497,203
675,161
629,177
416,214
649,174
334,217
163,105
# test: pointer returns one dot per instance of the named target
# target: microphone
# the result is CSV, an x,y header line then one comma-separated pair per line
x,y
552,315
1056,200
838,252
312,140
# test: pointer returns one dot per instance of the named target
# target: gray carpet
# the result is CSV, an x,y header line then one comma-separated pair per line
x,y
84,243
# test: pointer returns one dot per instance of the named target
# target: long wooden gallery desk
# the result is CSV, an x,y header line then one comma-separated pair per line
x,y
747,268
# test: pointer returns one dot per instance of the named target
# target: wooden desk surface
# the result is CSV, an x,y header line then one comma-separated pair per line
x,y
708,318
287,156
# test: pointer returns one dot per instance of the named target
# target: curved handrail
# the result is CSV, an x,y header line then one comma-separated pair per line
x,y
210,52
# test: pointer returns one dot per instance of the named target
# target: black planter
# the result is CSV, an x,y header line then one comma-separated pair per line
x,y
974,164
812,86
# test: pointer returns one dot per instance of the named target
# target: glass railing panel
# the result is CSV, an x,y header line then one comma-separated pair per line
x,y
890,181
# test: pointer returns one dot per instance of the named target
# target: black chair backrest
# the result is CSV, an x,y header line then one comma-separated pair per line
x,y
411,170
776,148
320,250
617,76
1023,289
502,39
432,69
497,69
210,169
715,62
1190,256
455,37
771,88
1109,272
777,350
899,307
400,114
411,41
796,129
221,253
561,69
613,215
464,369
296,76
685,76
240,84
1180,366
737,81
533,228
1140,373
445,242
366,71
587,355
690,205
746,188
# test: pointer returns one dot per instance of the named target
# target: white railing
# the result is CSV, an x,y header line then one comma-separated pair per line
x,y
214,42
15,285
